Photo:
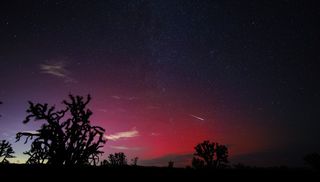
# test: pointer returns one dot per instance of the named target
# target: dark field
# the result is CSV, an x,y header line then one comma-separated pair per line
x,y
49,173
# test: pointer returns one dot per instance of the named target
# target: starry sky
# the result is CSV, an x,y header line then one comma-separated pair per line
x,y
166,75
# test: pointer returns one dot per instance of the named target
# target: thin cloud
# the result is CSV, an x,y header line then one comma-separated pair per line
x,y
125,148
197,117
116,97
122,135
154,134
57,69
124,98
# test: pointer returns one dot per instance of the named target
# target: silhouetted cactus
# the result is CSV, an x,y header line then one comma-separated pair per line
x,y
210,155
66,137
6,151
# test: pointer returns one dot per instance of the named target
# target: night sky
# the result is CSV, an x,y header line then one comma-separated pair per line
x,y
166,75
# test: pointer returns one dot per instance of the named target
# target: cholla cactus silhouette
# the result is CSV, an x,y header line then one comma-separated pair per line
x,y
210,155
6,151
66,137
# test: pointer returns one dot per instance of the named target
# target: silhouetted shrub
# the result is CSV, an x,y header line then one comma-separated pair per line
x,y
210,155
6,151
66,137
105,162
117,160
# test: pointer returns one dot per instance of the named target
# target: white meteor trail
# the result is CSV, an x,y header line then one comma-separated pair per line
x,y
197,117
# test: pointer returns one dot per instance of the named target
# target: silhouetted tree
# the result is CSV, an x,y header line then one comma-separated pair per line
x,y
135,161
210,155
117,159
6,151
313,160
66,137
221,160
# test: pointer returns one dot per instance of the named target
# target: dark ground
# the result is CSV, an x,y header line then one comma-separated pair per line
x,y
48,173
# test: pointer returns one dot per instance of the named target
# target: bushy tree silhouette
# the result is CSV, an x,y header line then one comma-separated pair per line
x,y
313,160
210,155
6,151
117,159
66,137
